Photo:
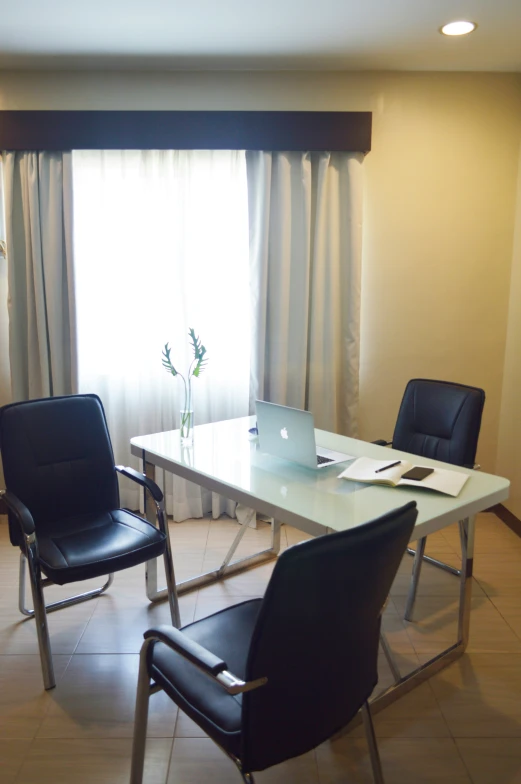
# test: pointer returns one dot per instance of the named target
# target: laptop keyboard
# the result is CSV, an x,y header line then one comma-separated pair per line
x,y
321,459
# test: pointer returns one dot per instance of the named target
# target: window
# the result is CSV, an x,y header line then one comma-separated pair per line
x,y
161,245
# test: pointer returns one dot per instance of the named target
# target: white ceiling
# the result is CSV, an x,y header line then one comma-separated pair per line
x,y
259,34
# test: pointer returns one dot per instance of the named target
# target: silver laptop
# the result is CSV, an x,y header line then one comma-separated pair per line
x,y
290,433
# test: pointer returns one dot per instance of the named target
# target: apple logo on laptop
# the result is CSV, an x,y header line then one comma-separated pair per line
x,y
284,433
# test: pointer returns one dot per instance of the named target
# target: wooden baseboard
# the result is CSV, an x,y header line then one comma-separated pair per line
x,y
513,522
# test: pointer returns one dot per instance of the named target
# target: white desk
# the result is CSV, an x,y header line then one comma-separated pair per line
x,y
224,459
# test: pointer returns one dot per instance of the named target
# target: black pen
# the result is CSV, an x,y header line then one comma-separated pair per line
x,y
391,465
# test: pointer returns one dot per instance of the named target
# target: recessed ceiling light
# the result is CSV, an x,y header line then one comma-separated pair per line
x,y
458,28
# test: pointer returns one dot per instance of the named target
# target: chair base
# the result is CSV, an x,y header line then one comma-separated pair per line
x,y
77,599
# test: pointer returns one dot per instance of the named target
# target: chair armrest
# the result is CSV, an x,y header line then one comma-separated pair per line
x,y
381,442
142,480
191,650
20,512
202,658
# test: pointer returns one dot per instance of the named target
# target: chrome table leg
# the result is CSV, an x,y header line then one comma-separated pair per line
x,y
376,765
416,571
390,658
453,652
228,567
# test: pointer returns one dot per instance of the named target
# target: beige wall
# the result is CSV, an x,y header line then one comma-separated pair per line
x,y
509,441
439,217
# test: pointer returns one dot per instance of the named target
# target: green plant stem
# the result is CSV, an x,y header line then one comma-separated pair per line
x,y
185,416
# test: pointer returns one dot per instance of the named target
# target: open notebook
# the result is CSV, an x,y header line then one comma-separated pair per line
x,y
364,470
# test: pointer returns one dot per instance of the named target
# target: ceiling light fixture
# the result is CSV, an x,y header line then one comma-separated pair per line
x,y
458,28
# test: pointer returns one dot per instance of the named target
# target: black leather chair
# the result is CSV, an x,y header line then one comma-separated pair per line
x,y
269,679
441,420
63,505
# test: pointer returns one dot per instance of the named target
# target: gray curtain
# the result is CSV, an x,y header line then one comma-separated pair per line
x,y
305,213
42,324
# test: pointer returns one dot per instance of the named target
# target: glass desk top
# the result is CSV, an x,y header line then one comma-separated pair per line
x,y
226,459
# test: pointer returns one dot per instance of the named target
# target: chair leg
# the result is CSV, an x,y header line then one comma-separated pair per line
x,y
40,614
141,717
376,765
169,567
246,777
416,571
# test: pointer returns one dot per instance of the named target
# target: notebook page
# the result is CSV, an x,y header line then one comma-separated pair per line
x,y
449,482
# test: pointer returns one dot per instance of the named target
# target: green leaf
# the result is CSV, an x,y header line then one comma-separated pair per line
x,y
199,353
166,362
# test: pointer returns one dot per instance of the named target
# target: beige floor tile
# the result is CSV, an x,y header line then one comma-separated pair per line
x,y
186,728
66,626
435,625
102,761
492,760
207,605
404,761
480,695
252,582
294,536
437,543
84,725
433,580
394,629
195,760
12,756
117,625
510,609
23,700
415,715
96,698
499,574
491,535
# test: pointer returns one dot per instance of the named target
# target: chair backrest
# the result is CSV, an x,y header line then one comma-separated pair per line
x,y
58,458
441,420
316,637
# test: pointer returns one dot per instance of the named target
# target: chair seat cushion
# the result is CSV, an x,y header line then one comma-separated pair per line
x,y
228,635
92,545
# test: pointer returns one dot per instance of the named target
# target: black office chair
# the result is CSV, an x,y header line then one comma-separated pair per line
x,y
63,504
271,678
441,420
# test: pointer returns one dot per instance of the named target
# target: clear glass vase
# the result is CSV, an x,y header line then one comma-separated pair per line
x,y
187,420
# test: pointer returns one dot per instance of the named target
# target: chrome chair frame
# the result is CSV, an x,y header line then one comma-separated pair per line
x,y
233,685
29,555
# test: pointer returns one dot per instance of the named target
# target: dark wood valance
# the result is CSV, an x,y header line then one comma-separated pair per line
x,y
180,130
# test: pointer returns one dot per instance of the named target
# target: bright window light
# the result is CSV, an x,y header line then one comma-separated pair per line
x,y
458,28
161,245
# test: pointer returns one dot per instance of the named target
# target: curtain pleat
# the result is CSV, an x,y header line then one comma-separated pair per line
x,y
42,320
305,212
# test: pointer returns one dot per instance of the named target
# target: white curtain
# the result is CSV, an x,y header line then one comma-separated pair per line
x,y
305,212
161,245
38,222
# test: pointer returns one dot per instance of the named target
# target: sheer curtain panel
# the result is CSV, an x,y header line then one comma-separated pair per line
x,y
42,322
161,245
305,212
